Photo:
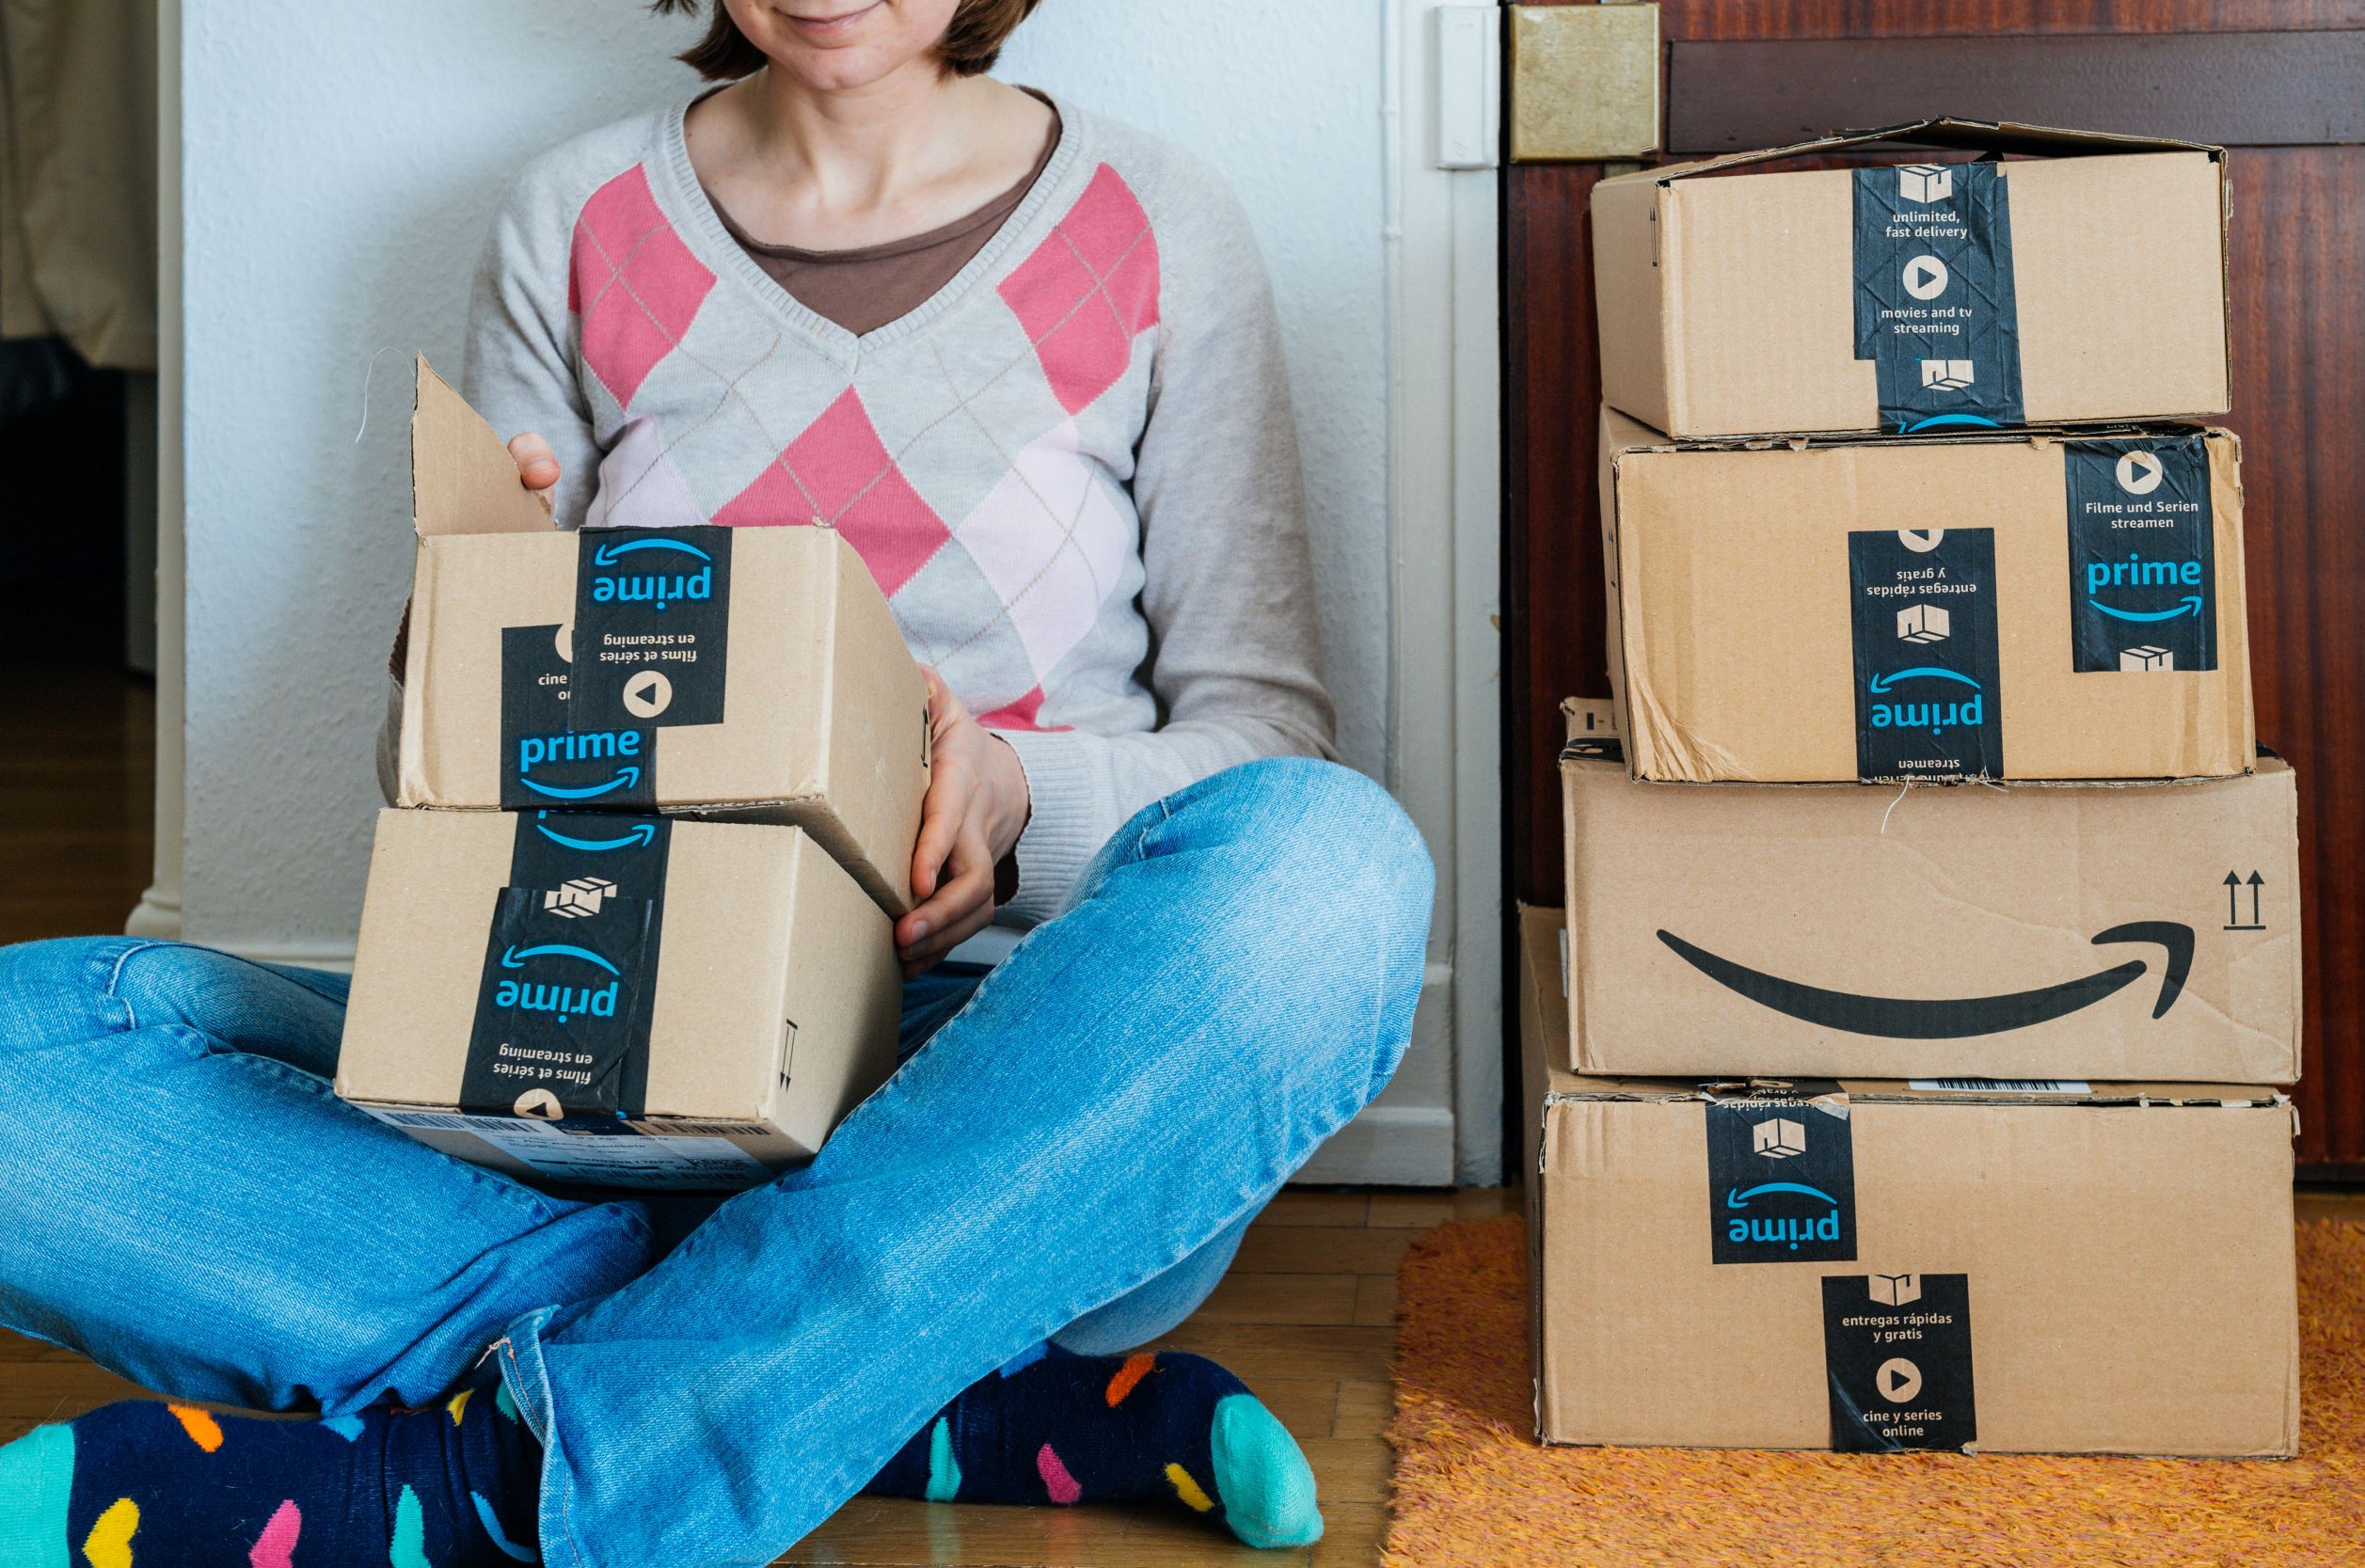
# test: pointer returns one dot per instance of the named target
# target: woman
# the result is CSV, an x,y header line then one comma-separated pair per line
x,y
1024,360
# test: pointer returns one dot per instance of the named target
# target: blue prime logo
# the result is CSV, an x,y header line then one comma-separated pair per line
x,y
659,590
1783,1231
640,837
2135,572
564,1001
533,751
1934,715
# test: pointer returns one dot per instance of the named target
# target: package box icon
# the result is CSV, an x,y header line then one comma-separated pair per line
x,y
1779,1138
579,899
1924,622
1896,1290
1951,375
1925,182
2147,657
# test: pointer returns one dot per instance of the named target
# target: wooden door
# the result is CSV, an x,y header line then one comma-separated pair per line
x,y
2283,83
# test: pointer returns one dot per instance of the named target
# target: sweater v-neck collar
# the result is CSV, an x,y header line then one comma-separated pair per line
x,y
702,228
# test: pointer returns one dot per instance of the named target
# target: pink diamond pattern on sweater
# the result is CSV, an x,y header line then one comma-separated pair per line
x,y
636,286
1089,290
839,472
1024,714
1051,543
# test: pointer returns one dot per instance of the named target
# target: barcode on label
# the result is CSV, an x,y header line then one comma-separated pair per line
x,y
2003,1086
695,1129
423,1119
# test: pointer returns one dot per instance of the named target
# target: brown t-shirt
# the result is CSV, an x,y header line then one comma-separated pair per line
x,y
864,290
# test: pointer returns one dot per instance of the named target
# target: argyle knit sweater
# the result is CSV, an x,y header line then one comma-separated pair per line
x,y
1073,471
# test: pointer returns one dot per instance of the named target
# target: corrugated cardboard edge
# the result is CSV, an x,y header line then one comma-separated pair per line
x,y
462,478
1983,136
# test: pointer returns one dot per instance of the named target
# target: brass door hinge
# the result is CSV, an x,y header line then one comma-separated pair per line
x,y
1585,82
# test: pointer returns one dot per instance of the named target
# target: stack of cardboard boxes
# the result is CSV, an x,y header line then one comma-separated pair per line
x,y
632,923
1873,1116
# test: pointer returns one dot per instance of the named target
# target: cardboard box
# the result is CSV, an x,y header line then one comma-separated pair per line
x,y
2021,606
2083,281
2035,931
749,672
1879,1266
616,1001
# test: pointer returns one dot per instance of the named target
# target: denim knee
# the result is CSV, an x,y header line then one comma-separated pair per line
x,y
1340,846
1330,858
61,989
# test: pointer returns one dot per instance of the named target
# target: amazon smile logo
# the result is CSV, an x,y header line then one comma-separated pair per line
x,y
1785,1231
1954,1018
1934,714
564,1002
541,750
658,590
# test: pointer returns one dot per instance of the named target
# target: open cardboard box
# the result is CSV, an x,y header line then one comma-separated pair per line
x,y
754,674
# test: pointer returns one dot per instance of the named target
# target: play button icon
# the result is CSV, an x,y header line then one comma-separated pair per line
x,y
1897,1379
541,1104
647,695
1926,277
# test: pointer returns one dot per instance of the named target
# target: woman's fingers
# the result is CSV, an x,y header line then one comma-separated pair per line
x,y
941,817
537,465
961,908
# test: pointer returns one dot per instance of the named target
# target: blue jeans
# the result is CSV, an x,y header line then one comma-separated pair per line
x,y
1075,1154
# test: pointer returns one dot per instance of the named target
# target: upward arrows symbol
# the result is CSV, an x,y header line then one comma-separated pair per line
x,y
2257,881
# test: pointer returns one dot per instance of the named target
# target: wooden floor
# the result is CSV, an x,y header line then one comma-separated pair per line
x,y
1306,1317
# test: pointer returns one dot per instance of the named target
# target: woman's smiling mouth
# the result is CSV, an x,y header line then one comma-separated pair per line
x,y
831,27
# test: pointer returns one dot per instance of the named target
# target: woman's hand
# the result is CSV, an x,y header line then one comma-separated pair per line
x,y
977,806
537,465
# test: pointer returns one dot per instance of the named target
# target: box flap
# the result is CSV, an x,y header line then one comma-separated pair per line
x,y
1977,135
462,478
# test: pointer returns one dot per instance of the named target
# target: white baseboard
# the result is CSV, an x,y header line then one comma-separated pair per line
x,y
332,956
1388,1146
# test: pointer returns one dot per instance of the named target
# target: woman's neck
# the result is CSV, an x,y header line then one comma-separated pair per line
x,y
908,154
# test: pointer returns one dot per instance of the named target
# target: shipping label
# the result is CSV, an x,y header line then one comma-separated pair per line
x,y
603,1151
1928,704
652,624
546,761
1897,1352
1782,1175
1935,311
2143,570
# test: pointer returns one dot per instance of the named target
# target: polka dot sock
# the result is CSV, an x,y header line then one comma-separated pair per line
x,y
1060,1428
148,1485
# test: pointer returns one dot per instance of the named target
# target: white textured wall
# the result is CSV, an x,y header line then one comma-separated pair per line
x,y
341,164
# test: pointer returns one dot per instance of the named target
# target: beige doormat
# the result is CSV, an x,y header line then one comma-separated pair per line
x,y
1473,1488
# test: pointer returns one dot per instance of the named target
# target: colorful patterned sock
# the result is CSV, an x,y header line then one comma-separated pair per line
x,y
143,1484
1061,1428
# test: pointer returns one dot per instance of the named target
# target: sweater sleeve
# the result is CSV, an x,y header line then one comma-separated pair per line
x,y
519,368
1227,587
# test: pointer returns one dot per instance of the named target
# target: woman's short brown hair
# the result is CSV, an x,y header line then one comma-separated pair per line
x,y
972,43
